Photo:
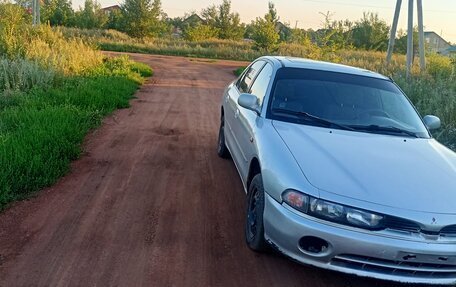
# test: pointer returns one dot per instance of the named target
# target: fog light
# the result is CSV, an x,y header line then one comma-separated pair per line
x,y
313,245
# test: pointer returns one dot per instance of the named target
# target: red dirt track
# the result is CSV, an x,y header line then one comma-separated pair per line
x,y
149,203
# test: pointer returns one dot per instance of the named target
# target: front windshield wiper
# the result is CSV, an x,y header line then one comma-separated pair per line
x,y
312,118
389,129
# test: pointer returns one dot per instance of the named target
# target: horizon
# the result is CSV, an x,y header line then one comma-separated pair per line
x,y
438,15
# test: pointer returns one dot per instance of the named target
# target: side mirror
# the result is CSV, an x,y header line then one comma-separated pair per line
x,y
432,122
249,102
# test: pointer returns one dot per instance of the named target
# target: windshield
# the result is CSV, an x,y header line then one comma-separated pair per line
x,y
344,101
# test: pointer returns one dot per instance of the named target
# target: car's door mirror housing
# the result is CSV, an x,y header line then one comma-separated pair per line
x,y
432,122
249,102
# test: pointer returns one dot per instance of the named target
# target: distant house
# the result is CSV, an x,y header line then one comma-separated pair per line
x,y
193,20
108,10
435,43
190,21
283,30
451,51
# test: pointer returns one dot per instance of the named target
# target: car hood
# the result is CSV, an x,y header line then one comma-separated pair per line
x,y
400,172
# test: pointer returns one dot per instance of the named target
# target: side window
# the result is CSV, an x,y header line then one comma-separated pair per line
x,y
246,80
261,83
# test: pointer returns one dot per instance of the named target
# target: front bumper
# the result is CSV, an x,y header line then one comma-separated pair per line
x,y
359,252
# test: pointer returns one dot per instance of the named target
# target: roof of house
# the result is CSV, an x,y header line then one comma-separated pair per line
x,y
194,18
113,7
428,33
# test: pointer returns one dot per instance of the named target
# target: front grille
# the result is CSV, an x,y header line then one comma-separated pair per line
x,y
396,268
449,231
404,225
400,224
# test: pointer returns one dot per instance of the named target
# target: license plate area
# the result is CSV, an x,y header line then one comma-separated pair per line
x,y
427,258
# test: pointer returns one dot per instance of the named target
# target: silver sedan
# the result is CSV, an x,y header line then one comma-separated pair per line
x,y
340,171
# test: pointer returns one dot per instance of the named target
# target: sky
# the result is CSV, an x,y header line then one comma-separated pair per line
x,y
439,15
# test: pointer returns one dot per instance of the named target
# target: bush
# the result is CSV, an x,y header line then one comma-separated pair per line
x,y
13,29
93,35
437,97
141,68
68,56
439,66
22,75
199,32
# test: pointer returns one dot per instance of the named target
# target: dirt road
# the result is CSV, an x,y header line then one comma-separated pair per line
x,y
149,203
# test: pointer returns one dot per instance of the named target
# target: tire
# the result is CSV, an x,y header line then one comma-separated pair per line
x,y
254,225
222,150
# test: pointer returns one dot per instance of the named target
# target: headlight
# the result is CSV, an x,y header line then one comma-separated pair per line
x,y
332,211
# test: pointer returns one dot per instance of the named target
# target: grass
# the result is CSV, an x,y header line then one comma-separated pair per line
x,y
22,75
53,90
41,130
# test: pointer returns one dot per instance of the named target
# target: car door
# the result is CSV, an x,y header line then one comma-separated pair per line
x,y
232,110
246,119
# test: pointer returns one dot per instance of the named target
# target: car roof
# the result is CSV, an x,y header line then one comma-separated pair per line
x,y
292,62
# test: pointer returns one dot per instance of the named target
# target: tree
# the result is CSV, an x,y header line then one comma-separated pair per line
x,y
199,32
285,32
176,22
265,34
91,16
371,33
249,30
227,24
115,20
188,25
334,35
298,36
57,12
13,29
400,45
143,18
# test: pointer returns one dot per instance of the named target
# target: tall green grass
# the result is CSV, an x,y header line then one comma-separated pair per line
x,y
68,56
53,90
41,131
21,75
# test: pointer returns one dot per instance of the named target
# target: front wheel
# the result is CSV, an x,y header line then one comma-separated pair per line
x,y
254,226
222,150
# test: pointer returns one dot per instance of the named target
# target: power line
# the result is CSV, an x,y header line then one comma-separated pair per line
x,y
369,6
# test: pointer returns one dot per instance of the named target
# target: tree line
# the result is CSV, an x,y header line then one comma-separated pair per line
x,y
146,18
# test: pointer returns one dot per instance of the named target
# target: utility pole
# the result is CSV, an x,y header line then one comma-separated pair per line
x,y
33,13
410,49
419,3
393,32
410,39
36,12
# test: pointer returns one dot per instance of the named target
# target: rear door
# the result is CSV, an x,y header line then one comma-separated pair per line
x,y
232,110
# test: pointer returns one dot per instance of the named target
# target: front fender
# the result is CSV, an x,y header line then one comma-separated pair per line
x,y
279,168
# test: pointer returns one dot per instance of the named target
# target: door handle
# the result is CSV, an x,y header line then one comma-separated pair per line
x,y
236,114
